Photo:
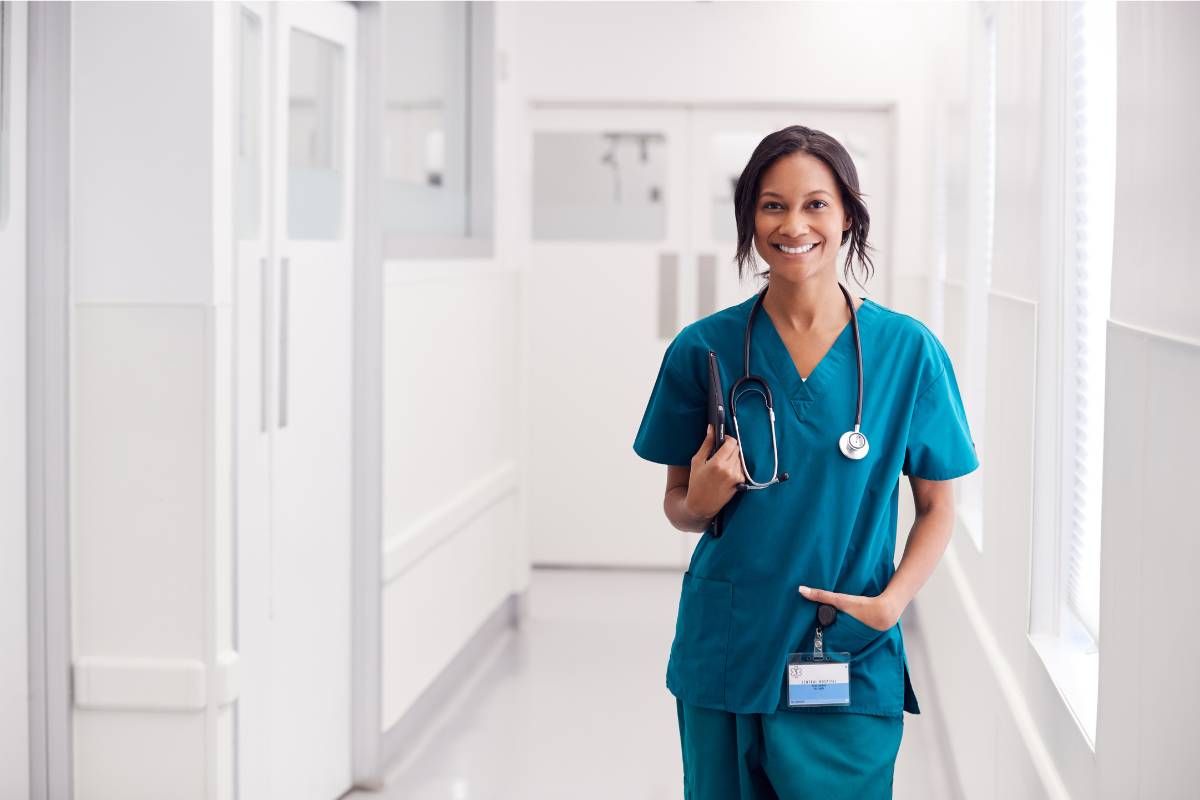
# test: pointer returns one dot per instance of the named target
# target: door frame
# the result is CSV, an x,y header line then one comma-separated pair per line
x,y
367,425
47,200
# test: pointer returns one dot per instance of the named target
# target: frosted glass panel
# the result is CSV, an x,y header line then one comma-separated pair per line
x,y
248,74
315,109
426,156
599,186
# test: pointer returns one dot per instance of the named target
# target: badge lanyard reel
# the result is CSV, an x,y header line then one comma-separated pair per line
x,y
819,678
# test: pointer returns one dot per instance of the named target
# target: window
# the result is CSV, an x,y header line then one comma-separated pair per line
x,y
602,186
1085,313
437,137
248,123
315,147
1066,624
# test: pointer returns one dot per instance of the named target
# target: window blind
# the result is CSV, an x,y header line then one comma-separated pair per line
x,y
1092,93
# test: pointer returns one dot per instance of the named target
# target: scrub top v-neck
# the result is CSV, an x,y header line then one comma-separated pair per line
x,y
832,525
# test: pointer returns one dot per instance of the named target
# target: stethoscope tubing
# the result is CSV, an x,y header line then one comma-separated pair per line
x,y
765,391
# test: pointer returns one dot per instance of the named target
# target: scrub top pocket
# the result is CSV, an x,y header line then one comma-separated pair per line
x,y
699,652
850,635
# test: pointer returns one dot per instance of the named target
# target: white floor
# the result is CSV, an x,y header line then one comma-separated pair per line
x,y
573,705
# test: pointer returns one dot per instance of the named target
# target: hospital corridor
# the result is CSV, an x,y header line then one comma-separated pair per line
x,y
599,399
584,665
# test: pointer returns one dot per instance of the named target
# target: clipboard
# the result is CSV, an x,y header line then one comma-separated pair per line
x,y
716,418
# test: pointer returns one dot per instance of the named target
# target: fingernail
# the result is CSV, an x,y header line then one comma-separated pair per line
x,y
804,590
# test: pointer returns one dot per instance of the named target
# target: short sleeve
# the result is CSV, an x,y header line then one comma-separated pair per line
x,y
676,416
940,446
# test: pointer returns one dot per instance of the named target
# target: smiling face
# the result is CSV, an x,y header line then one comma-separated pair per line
x,y
799,207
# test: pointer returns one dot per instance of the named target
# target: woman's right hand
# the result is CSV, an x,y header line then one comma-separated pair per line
x,y
713,481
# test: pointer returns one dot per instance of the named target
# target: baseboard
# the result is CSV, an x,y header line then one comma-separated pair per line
x,y
407,735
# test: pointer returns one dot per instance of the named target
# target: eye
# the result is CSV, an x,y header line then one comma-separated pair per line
x,y
822,202
769,203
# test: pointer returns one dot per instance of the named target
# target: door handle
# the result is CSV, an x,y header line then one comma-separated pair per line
x,y
264,344
285,302
668,294
706,284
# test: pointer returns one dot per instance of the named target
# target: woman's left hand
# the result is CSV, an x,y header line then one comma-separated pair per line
x,y
875,612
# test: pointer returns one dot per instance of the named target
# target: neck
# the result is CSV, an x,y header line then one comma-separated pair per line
x,y
811,305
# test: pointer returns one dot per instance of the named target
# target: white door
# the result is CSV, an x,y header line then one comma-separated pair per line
x,y
633,238
606,291
293,329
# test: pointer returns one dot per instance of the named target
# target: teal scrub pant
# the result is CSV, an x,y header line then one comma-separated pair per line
x,y
787,755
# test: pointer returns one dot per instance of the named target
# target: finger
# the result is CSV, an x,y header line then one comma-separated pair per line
x,y
835,599
735,462
731,460
705,446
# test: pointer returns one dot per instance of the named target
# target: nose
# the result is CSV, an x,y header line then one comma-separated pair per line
x,y
794,225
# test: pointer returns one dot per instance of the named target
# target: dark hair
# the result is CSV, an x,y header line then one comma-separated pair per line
x,y
798,139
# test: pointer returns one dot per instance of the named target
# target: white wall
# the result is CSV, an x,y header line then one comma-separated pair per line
x,y
454,544
1151,550
452,553
150,401
1011,732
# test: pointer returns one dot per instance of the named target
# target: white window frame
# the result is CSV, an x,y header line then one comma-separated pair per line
x,y
1064,621
977,278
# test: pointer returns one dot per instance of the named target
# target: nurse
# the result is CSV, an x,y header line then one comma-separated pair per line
x,y
826,536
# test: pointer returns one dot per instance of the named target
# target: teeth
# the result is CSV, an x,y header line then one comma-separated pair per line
x,y
796,250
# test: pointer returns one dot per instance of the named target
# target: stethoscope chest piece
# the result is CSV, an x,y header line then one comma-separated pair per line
x,y
854,445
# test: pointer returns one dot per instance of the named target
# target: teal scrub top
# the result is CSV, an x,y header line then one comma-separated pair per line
x,y
832,525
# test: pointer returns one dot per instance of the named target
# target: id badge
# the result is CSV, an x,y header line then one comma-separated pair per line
x,y
818,679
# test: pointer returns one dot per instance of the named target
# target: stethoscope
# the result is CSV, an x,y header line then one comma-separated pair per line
x,y
853,443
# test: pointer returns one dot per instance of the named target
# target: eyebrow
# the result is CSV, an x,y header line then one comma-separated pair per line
x,y
814,191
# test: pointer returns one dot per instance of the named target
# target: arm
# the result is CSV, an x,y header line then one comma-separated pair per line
x,y
687,501
926,542
675,502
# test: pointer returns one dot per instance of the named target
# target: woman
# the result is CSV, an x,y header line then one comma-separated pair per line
x,y
825,534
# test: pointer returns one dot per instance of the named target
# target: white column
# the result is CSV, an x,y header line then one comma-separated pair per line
x,y
151,557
